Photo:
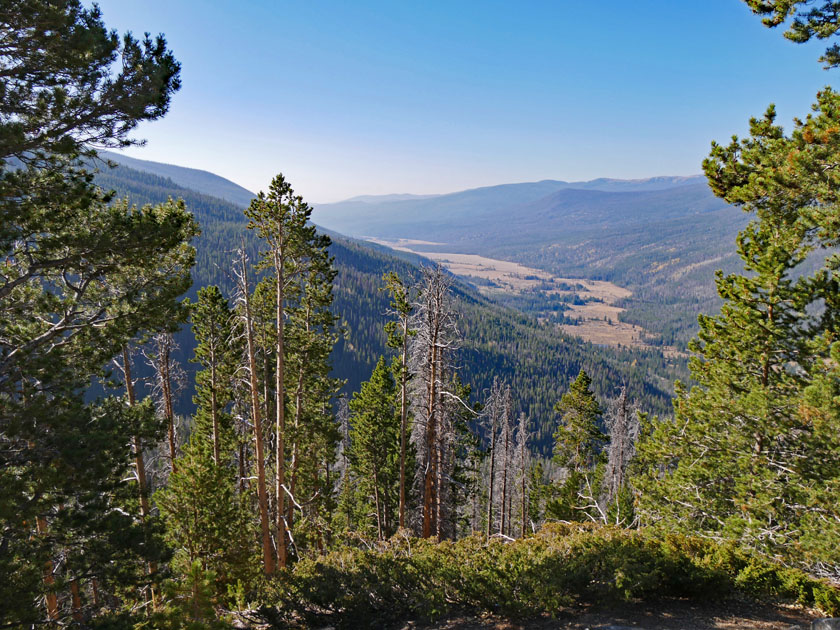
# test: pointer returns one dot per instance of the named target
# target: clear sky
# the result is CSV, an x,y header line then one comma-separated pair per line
x,y
364,97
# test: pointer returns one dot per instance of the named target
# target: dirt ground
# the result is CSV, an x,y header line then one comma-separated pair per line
x,y
671,615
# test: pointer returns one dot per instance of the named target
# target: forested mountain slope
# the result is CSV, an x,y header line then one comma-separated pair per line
x,y
196,179
537,360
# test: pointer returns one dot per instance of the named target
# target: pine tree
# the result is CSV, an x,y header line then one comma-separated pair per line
x,y
281,218
313,434
375,446
748,456
808,21
578,448
81,275
241,269
206,522
399,333
215,352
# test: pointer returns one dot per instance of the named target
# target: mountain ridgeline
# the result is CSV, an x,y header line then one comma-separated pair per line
x,y
661,238
537,360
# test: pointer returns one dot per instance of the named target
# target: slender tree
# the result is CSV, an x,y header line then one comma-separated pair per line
x,y
215,353
244,298
493,412
399,333
523,468
374,439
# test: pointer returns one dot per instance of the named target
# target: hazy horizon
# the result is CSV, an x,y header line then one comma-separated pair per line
x,y
350,100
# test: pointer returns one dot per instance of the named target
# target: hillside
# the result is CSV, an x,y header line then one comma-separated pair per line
x,y
661,239
192,178
537,359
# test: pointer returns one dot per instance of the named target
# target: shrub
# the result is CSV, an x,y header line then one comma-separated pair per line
x,y
562,565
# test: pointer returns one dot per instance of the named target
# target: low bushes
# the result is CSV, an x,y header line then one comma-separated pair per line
x,y
562,565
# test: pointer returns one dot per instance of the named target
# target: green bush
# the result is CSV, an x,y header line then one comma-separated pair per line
x,y
562,565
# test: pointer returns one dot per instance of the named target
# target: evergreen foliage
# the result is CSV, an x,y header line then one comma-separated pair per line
x,y
79,278
750,454
561,567
579,449
374,448
807,21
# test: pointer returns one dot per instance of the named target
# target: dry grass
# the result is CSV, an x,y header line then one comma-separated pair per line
x,y
513,278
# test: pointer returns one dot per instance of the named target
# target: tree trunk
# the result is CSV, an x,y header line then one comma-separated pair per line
x,y
431,445
213,408
139,461
504,489
298,416
376,502
166,392
280,408
403,419
492,473
75,601
522,488
49,580
268,551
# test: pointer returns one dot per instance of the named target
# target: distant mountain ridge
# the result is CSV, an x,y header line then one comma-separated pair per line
x,y
661,182
404,216
192,178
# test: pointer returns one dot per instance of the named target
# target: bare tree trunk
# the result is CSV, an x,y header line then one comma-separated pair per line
x,y
439,507
165,349
268,551
506,431
492,475
431,444
280,410
403,418
504,488
139,460
522,488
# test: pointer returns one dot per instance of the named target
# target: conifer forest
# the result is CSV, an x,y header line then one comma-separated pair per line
x,y
217,413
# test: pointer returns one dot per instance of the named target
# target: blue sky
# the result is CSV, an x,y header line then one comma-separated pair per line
x,y
349,98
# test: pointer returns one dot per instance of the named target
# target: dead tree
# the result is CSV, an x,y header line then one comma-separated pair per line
x,y
623,426
169,381
506,443
432,350
493,412
522,466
